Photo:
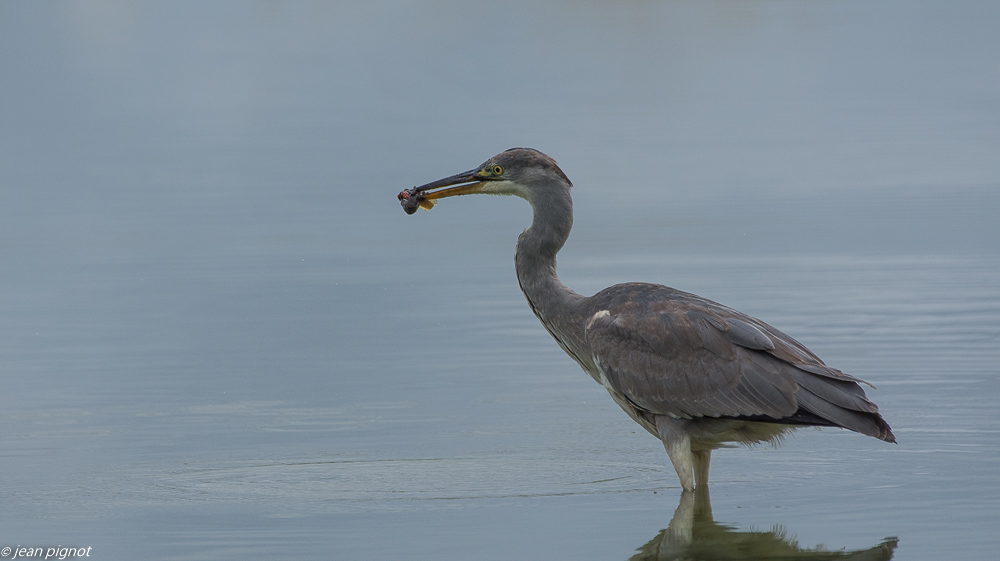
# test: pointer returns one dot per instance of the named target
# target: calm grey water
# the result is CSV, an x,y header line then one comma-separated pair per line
x,y
220,337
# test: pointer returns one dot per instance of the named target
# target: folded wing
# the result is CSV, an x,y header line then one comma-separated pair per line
x,y
673,353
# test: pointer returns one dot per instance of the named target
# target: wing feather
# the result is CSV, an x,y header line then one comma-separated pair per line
x,y
673,353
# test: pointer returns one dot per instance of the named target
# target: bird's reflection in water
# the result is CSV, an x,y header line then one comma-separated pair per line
x,y
694,535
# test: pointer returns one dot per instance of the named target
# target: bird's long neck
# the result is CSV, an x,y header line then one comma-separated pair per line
x,y
560,309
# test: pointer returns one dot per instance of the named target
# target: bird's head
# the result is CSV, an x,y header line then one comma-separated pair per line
x,y
523,172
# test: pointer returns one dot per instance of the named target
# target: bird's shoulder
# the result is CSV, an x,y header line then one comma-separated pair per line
x,y
666,319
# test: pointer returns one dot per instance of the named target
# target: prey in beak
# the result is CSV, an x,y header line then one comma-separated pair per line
x,y
465,183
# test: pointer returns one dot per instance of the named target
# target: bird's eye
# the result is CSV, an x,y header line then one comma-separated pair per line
x,y
497,170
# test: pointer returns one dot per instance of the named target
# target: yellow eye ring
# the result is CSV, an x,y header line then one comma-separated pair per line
x,y
497,170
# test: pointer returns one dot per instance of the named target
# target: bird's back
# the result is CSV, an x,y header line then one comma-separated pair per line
x,y
668,352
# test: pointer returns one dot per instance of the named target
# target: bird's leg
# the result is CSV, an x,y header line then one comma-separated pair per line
x,y
701,460
677,443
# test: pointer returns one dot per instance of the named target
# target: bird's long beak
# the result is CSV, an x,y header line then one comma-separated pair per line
x,y
465,183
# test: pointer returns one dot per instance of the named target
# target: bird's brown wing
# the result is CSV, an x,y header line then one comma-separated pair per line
x,y
673,353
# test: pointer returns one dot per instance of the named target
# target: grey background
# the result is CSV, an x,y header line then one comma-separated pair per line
x,y
221,338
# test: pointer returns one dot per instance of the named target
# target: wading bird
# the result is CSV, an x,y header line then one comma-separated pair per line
x,y
692,372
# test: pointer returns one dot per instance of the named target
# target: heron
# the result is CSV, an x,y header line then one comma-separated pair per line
x,y
694,373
